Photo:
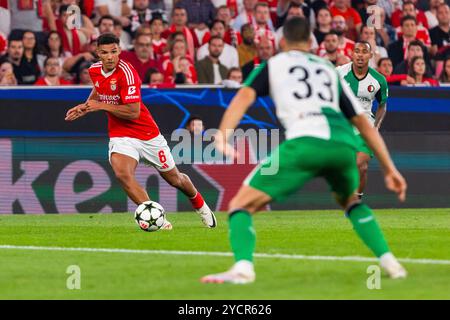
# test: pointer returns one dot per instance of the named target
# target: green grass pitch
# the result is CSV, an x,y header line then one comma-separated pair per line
x,y
41,274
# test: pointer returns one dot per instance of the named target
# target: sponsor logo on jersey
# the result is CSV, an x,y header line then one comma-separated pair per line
x,y
113,84
371,88
109,99
364,99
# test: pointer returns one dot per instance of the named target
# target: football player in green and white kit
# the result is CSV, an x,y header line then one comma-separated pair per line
x,y
317,109
368,85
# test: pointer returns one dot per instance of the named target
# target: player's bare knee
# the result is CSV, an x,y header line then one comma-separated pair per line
x,y
123,176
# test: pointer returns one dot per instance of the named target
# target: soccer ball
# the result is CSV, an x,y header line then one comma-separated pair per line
x,y
150,216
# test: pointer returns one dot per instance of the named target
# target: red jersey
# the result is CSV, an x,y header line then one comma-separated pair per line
x,y
43,82
422,35
352,18
3,44
397,15
345,48
118,87
159,47
139,66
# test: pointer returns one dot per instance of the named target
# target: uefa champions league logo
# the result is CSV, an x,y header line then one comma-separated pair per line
x,y
73,17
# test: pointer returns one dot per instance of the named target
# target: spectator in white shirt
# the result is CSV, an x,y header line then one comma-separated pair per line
x,y
229,57
119,9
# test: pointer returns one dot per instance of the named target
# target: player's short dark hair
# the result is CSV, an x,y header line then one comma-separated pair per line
x,y
107,38
407,18
296,29
363,42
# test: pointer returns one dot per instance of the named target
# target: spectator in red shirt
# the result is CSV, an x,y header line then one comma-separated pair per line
x,y
178,50
331,53
417,70
345,45
52,74
422,32
3,43
386,68
183,71
159,43
408,8
142,56
7,77
232,37
351,16
74,39
155,79
179,24
261,25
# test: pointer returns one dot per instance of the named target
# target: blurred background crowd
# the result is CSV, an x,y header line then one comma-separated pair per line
x,y
217,42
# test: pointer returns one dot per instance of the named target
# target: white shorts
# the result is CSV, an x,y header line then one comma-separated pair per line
x,y
154,152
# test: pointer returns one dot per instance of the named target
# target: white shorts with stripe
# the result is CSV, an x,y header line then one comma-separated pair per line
x,y
154,152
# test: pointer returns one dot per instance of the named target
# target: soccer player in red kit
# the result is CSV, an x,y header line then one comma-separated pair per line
x,y
133,133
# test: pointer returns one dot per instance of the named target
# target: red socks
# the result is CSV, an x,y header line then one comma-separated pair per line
x,y
197,201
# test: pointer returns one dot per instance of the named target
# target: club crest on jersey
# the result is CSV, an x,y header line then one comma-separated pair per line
x,y
371,88
113,84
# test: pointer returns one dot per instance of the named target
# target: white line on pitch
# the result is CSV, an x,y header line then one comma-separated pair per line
x,y
222,254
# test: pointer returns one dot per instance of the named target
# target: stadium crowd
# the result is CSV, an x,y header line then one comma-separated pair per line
x,y
51,42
